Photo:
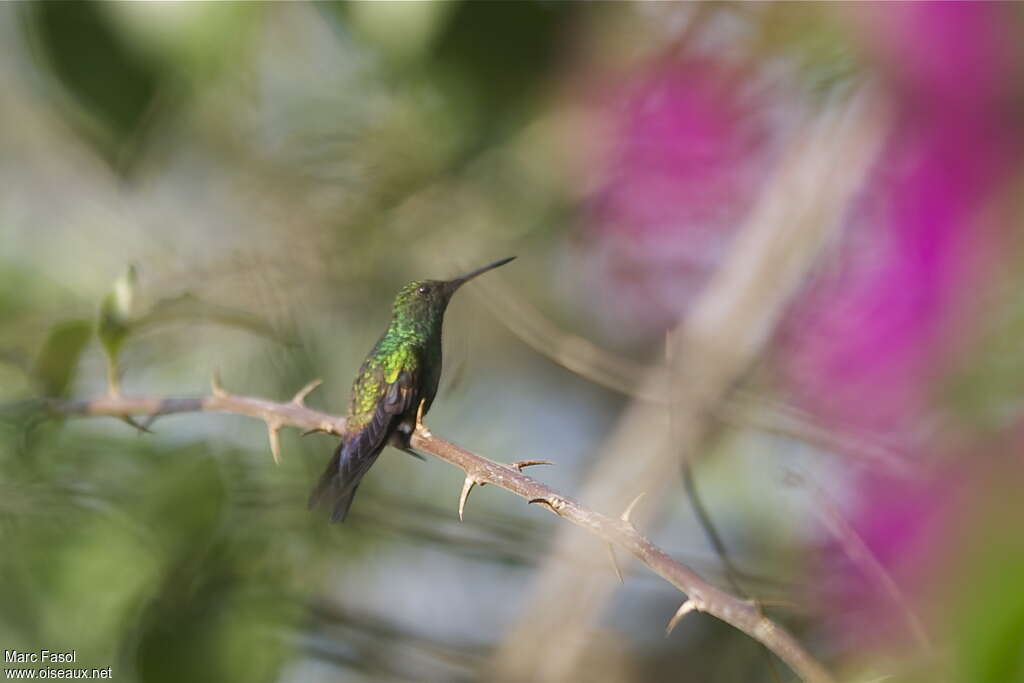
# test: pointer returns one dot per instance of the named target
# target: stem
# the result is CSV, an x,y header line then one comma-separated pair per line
x,y
701,595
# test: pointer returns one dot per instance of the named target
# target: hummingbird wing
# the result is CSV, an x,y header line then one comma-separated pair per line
x,y
378,406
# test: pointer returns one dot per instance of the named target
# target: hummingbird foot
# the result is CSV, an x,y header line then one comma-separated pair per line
x,y
691,605
413,454
421,428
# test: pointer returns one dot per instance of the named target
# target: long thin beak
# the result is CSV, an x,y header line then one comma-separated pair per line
x,y
459,281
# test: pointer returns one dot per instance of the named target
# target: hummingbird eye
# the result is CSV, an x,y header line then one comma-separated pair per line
x,y
423,289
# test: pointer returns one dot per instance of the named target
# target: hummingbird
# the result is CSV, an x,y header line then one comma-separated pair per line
x,y
401,371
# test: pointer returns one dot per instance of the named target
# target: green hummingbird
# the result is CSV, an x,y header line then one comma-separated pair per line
x,y
402,369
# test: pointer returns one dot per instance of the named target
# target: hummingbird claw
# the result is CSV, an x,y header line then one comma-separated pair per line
x,y
629,508
300,396
689,606
420,427
414,454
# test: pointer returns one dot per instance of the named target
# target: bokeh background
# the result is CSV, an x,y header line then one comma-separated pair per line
x,y
273,173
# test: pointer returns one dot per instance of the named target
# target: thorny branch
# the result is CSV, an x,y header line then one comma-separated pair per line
x,y
617,531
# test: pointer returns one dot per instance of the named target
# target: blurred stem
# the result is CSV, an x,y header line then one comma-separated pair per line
x,y
701,512
728,569
861,555
701,595
113,376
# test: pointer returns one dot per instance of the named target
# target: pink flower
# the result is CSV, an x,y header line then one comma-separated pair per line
x,y
692,143
960,55
868,341
871,341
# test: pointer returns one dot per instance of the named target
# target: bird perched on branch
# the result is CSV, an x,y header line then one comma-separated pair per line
x,y
402,370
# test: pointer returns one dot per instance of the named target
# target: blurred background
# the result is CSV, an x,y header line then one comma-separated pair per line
x,y
273,173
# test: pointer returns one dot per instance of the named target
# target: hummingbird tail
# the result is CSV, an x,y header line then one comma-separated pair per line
x,y
335,489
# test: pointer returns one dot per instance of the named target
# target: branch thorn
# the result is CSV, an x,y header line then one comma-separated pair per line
x,y
300,397
274,434
689,606
556,504
467,486
520,464
130,421
215,386
324,427
629,508
148,422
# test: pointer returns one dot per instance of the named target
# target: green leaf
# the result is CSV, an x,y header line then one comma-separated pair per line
x,y
55,366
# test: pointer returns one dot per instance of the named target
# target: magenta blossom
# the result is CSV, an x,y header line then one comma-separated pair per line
x,y
872,340
906,524
692,144
867,344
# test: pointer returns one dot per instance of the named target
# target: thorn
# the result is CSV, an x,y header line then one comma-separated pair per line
x,y
149,422
684,609
529,463
467,486
615,562
324,428
127,419
274,434
215,386
629,508
556,504
300,397
420,427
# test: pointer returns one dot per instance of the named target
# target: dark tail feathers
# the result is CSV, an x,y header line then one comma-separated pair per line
x,y
332,490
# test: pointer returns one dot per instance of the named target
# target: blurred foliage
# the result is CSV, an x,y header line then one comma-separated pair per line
x,y
110,87
55,367
985,609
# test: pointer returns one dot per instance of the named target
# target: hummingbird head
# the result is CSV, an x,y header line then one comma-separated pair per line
x,y
426,300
